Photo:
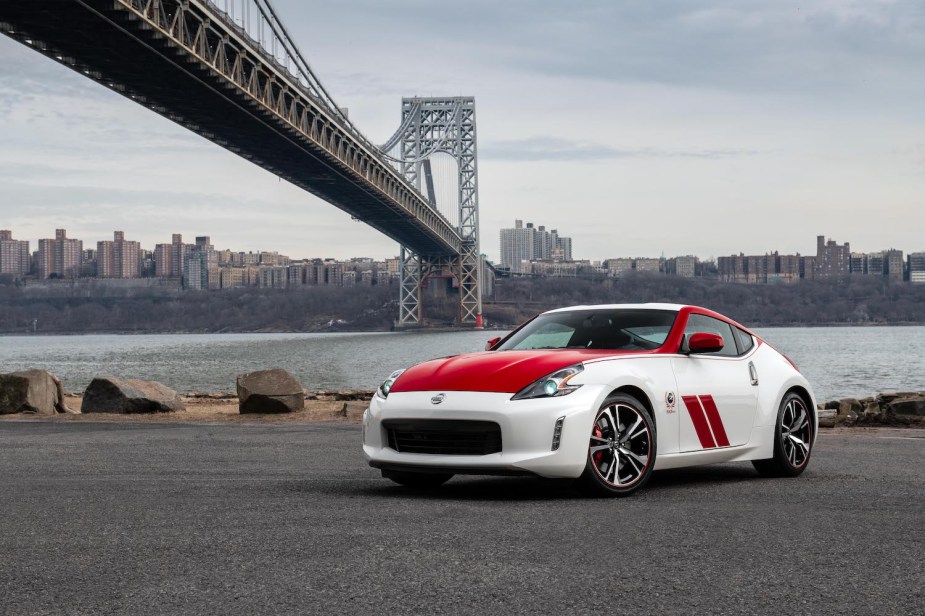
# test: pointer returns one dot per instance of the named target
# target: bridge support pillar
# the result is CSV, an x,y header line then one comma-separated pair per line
x,y
415,270
468,272
442,125
410,300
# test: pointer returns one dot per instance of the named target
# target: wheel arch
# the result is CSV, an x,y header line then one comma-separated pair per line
x,y
807,399
637,393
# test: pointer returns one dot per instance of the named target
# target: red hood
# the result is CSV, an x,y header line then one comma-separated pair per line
x,y
494,371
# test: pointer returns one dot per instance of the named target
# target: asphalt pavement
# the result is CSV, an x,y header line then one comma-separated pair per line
x,y
288,519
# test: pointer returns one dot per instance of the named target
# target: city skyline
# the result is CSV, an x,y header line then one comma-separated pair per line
x,y
691,119
540,252
519,225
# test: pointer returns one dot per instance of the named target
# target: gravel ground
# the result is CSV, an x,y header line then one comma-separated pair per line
x,y
248,518
207,409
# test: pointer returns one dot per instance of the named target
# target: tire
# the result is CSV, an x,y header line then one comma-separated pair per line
x,y
793,440
621,450
418,481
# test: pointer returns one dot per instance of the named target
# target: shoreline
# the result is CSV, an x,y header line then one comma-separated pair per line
x,y
441,329
347,406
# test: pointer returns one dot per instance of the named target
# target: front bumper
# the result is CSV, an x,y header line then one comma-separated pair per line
x,y
527,428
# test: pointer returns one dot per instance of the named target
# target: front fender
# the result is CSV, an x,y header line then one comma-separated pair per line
x,y
651,375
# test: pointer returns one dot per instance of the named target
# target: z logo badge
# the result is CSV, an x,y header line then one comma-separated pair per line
x,y
438,399
669,402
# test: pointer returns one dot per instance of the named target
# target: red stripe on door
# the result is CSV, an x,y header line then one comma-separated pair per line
x,y
716,422
699,420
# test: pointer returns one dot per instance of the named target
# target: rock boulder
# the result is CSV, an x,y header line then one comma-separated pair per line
x,y
108,394
31,391
908,406
848,411
269,391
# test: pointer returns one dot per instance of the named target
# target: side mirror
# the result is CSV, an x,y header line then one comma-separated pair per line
x,y
702,342
492,343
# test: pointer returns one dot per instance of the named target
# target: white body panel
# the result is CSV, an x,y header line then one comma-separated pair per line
x,y
527,425
726,381
747,414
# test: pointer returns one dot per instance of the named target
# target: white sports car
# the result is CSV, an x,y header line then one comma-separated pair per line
x,y
602,394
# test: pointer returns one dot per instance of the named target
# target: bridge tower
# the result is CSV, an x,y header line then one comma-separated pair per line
x,y
431,126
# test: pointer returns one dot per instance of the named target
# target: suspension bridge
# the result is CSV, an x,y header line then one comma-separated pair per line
x,y
229,71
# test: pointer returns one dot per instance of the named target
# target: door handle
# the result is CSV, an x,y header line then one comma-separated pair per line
x,y
753,373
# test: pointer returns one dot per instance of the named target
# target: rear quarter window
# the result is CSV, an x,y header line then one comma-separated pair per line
x,y
746,342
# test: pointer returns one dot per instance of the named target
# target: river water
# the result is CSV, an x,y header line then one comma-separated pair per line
x,y
838,361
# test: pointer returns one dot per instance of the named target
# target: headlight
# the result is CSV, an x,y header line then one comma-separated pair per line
x,y
386,387
555,384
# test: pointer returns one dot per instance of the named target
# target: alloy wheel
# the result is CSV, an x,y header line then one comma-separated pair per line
x,y
620,446
795,432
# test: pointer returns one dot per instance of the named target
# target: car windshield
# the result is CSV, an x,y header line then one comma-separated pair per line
x,y
624,329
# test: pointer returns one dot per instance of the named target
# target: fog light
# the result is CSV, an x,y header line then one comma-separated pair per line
x,y
557,433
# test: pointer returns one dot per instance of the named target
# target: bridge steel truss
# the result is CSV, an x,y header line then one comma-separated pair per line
x,y
430,126
187,61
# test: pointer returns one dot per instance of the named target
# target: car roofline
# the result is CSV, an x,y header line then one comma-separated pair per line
x,y
648,306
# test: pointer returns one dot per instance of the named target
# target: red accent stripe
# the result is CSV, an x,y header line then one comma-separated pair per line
x,y
700,421
716,422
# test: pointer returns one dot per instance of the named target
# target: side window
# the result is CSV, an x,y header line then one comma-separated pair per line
x,y
746,342
702,323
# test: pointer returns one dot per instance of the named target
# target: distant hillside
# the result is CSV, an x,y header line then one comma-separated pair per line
x,y
61,311
847,301
853,301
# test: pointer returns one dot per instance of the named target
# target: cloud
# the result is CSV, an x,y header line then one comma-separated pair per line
x,y
532,149
792,110
805,48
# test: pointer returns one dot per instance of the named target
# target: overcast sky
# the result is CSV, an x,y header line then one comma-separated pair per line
x,y
637,128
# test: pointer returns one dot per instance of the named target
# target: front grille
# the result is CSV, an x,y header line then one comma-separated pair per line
x,y
443,436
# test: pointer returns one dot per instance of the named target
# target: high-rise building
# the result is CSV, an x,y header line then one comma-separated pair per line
x,y
61,257
542,247
788,268
168,258
732,268
807,268
68,255
761,269
893,262
562,251
523,244
916,262
756,268
14,255
232,277
619,267
857,263
685,266
119,258
832,259
518,246
875,264
649,265
197,262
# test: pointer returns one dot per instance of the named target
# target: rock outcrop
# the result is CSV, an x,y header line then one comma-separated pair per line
x,y
269,391
32,391
108,394
887,408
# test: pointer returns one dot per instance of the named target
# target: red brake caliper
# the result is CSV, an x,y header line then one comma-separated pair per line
x,y
597,454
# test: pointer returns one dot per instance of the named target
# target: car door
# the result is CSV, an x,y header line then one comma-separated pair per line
x,y
717,391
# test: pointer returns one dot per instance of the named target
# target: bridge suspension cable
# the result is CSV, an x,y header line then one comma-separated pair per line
x,y
292,58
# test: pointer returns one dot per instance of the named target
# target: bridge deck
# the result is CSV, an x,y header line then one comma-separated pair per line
x,y
124,54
